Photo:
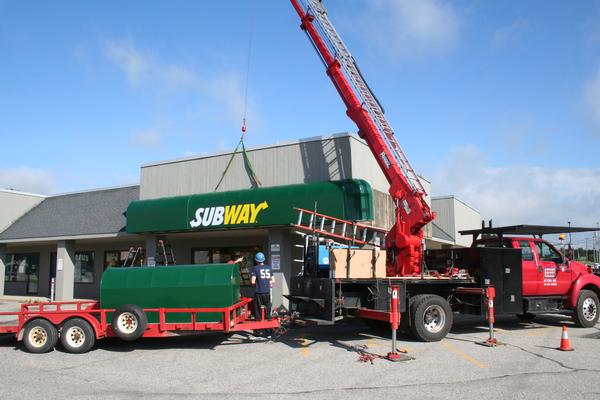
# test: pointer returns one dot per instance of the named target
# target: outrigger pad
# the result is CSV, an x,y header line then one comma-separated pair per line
x,y
490,343
395,357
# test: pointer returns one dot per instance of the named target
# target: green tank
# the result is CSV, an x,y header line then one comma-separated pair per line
x,y
181,286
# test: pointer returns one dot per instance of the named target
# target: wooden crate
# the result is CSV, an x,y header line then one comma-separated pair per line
x,y
362,264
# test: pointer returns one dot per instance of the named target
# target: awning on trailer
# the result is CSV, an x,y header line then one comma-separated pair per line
x,y
348,199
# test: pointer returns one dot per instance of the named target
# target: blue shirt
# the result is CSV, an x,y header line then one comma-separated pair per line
x,y
262,273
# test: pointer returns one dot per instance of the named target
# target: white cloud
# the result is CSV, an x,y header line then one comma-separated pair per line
x,y
514,195
26,179
408,27
132,61
147,139
592,97
141,67
507,33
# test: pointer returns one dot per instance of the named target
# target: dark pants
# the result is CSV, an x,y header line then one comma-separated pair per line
x,y
262,299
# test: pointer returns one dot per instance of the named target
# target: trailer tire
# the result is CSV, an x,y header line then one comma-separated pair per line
x,y
431,317
40,336
586,312
129,322
77,336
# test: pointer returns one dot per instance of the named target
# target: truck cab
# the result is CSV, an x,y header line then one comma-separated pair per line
x,y
551,283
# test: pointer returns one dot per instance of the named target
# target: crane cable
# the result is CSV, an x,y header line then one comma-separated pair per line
x,y
254,179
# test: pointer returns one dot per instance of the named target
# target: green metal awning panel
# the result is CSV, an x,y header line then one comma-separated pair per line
x,y
348,199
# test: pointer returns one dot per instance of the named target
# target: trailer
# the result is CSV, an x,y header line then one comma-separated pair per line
x,y
141,302
79,324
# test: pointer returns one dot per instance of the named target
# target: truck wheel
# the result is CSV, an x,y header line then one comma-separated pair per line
x,y
431,317
77,336
586,314
40,336
129,322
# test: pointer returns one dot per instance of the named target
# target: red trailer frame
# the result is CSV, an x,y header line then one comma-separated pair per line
x,y
235,318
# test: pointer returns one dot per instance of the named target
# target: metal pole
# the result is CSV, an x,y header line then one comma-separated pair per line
x,y
598,242
52,285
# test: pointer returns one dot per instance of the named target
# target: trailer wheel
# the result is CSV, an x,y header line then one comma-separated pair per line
x,y
586,314
129,322
431,317
40,336
77,336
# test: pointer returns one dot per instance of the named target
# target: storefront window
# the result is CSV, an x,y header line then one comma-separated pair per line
x,y
23,268
200,256
225,254
84,267
115,258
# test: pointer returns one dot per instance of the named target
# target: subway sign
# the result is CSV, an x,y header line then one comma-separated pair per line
x,y
237,214
262,207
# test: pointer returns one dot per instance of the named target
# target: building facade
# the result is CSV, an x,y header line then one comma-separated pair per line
x,y
71,239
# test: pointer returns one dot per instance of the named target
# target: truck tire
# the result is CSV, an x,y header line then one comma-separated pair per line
x,y
77,336
586,312
129,322
431,317
40,336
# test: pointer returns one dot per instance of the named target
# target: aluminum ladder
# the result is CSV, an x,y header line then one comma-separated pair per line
x,y
337,229
369,101
132,256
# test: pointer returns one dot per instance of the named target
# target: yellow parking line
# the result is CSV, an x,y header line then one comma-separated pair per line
x,y
458,352
372,343
545,331
304,349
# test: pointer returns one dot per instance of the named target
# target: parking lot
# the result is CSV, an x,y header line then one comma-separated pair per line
x,y
317,362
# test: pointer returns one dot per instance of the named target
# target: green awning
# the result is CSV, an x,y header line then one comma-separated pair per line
x,y
349,199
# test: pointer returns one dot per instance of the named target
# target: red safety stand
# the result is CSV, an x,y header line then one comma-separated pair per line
x,y
491,341
394,355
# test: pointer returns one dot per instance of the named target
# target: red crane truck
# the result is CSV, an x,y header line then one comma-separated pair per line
x,y
528,274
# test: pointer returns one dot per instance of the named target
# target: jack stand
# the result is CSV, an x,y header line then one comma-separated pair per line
x,y
395,322
490,293
394,355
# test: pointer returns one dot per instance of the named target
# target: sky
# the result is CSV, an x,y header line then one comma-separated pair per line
x,y
497,103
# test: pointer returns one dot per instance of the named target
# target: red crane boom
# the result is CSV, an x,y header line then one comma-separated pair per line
x,y
405,240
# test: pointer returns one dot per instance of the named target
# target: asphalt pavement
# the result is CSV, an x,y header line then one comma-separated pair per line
x,y
317,362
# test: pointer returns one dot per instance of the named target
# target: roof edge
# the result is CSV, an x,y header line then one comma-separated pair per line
x,y
270,146
105,189
453,197
68,237
43,196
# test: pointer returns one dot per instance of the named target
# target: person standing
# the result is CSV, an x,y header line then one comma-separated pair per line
x,y
263,280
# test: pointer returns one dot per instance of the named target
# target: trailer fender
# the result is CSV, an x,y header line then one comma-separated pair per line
x,y
585,281
59,319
